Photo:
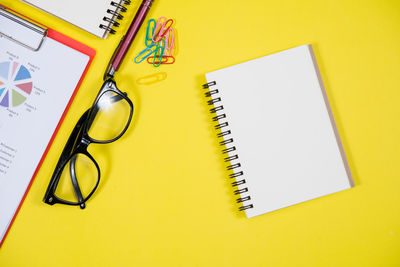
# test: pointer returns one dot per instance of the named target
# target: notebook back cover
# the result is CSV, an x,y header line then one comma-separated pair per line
x,y
283,130
87,14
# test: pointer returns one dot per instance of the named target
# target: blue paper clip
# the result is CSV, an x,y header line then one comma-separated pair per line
x,y
147,49
160,49
149,38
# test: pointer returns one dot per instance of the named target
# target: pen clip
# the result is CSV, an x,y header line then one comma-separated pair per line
x,y
109,73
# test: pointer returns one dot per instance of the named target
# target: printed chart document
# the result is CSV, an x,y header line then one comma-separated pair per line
x,y
35,90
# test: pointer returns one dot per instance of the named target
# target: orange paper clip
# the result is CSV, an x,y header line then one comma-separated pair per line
x,y
164,60
169,45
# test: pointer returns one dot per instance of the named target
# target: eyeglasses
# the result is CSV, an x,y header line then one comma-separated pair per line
x,y
77,174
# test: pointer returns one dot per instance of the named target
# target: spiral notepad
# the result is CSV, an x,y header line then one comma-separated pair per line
x,y
98,17
277,131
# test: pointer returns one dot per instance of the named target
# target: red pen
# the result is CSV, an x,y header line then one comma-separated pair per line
x,y
127,39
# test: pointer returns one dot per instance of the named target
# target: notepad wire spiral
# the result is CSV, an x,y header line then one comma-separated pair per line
x,y
222,125
115,15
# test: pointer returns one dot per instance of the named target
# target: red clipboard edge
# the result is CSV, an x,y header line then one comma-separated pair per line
x,y
61,38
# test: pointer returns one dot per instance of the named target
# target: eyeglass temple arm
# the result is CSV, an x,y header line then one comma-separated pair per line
x,y
75,183
68,148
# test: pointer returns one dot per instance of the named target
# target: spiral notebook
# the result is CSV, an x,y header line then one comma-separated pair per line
x,y
98,17
277,131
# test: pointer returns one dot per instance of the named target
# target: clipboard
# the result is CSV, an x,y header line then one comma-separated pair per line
x,y
31,35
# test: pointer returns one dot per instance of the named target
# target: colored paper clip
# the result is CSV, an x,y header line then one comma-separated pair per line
x,y
161,23
169,45
162,32
147,49
150,33
156,32
159,53
176,43
164,60
152,78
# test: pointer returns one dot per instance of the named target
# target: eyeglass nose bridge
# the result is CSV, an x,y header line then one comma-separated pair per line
x,y
86,142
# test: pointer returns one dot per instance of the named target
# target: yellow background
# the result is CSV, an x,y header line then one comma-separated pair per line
x,y
165,200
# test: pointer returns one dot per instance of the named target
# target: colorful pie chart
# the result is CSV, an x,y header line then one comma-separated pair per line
x,y
15,84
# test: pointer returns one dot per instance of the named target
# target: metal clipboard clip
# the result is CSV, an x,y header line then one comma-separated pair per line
x,y
21,30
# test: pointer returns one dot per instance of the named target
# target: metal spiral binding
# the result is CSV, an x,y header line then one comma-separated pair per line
x,y
115,15
216,101
119,6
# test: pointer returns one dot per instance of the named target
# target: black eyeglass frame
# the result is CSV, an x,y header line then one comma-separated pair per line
x,y
78,143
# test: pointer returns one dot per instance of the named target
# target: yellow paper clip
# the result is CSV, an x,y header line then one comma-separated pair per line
x,y
153,78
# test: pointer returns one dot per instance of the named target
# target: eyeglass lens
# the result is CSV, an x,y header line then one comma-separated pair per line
x,y
81,171
111,116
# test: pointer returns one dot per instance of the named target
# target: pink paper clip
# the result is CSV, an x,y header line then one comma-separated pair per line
x,y
156,30
162,32
169,45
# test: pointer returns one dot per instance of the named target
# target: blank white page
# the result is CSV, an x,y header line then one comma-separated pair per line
x,y
283,130
86,14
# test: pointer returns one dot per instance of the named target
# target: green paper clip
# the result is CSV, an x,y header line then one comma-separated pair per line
x,y
149,39
162,47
